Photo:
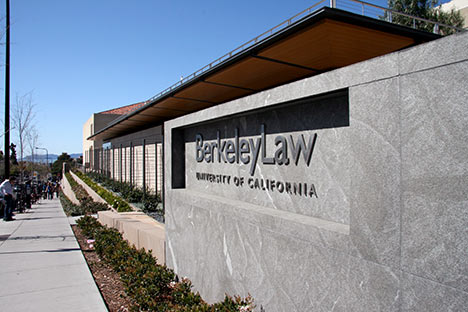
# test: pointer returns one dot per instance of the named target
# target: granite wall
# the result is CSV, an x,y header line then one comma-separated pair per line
x,y
386,230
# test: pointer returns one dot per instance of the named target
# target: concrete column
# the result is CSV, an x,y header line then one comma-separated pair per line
x,y
131,163
120,162
144,167
162,180
156,167
113,164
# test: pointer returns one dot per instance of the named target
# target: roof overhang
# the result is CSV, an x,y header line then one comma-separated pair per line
x,y
322,41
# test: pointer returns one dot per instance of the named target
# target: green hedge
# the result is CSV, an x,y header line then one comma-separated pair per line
x,y
153,287
115,201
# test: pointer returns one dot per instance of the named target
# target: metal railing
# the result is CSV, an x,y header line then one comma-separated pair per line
x,y
240,48
354,6
390,15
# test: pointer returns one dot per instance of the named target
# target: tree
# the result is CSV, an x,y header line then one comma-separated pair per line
x,y
58,164
14,166
32,139
23,121
427,9
13,159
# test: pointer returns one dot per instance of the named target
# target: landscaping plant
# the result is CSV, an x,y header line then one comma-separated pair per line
x,y
87,204
70,208
115,201
151,202
153,287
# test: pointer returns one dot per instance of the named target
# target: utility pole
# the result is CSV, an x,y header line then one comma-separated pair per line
x,y
7,92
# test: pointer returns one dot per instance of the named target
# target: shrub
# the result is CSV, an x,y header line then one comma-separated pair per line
x,y
153,287
87,204
115,201
70,208
89,226
151,201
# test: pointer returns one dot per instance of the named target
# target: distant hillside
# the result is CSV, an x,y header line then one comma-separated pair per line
x,y
41,158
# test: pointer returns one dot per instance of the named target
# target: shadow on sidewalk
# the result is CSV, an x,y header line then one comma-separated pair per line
x,y
38,251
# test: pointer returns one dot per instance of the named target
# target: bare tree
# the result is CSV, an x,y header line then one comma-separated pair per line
x,y
32,139
23,121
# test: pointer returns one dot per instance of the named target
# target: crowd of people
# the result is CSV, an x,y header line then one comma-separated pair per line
x,y
20,196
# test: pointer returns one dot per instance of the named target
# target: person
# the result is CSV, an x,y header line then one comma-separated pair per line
x,y
44,190
28,194
57,190
50,191
6,189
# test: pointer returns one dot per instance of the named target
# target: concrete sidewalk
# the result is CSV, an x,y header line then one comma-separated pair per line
x,y
41,265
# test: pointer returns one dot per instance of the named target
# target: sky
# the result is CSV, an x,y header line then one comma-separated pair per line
x,y
79,57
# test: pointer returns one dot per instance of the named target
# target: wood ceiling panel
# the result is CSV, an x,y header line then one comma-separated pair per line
x,y
117,126
182,104
161,112
351,44
144,118
309,47
211,93
344,44
130,123
258,74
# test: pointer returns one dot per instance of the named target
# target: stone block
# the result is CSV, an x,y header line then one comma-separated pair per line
x,y
154,239
130,231
435,175
283,272
423,295
374,171
120,222
448,50
107,218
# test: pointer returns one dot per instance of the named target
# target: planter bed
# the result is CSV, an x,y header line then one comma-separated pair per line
x,y
108,281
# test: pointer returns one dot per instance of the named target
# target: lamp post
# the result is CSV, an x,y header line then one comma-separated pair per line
x,y
47,154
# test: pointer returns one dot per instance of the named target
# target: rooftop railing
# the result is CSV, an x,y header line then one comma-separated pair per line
x,y
353,6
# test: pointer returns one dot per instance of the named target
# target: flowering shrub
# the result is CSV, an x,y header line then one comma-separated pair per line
x,y
153,287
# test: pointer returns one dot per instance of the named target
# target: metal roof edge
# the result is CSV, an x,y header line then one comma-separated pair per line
x,y
313,17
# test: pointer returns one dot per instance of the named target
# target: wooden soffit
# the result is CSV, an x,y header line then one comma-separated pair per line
x,y
327,40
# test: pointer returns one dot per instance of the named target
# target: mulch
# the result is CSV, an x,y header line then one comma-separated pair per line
x,y
108,281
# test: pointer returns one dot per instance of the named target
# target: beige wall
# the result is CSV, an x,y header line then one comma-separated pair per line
x,y
458,5
118,163
87,144
95,123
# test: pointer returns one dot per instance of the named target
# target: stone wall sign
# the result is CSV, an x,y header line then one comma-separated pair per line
x,y
281,157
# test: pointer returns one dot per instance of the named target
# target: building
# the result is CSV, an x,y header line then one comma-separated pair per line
x,y
457,5
321,167
94,124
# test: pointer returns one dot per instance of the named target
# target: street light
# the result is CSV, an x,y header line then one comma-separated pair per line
x,y
47,153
